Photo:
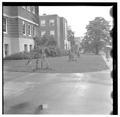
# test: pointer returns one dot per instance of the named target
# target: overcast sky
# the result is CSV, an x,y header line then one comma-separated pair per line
x,y
78,16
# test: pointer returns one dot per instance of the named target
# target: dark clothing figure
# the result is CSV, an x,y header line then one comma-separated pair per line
x,y
72,56
44,61
78,54
107,52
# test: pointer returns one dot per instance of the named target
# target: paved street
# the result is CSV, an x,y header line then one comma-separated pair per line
x,y
76,93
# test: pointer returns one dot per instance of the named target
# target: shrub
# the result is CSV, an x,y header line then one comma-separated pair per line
x,y
54,52
61,52
50,52
18,56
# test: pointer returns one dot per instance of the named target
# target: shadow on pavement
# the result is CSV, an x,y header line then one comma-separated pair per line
x,y
18,109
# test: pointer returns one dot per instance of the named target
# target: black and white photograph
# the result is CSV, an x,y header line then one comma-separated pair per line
x,y
57,58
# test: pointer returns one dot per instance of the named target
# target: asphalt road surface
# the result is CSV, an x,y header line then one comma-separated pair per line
x,y
76,93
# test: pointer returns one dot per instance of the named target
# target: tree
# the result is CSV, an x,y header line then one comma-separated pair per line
x,y
74,51
70,37
97,35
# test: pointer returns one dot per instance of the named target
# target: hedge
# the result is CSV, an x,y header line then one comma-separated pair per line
x,y
18,56
51,52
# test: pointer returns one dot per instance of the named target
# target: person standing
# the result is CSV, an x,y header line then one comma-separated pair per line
x,y
108,48
44,61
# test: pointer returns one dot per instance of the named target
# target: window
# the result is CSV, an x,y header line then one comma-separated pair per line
x,y
34,31
24,28
43,33
28,8
52,22
6,49
52,32
4,24
30,47
23,7
42,22
33,9
29,29
25,48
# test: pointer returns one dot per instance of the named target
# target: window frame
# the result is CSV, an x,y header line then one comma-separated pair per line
x,y
29,10
30,47
33,9
51,23
52,31
24,7
25,48
34,31
30,30
5,26
44,23
6,49
43,34
23,23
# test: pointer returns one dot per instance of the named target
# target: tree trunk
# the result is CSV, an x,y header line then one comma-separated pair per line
x,y
96,50
41,64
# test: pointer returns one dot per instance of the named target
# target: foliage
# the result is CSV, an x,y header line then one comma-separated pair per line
x,y
71,37
97,35
18,56
44,42
51,52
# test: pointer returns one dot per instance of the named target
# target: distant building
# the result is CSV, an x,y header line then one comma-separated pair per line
x,y
20,26
53,25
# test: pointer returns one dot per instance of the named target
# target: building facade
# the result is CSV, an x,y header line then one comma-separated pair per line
x,y
53,25
64,33
20,26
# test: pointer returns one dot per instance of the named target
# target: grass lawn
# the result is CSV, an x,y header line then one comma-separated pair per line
x,y
86,63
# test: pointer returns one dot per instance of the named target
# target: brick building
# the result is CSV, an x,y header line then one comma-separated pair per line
x,y
20,26
53,25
